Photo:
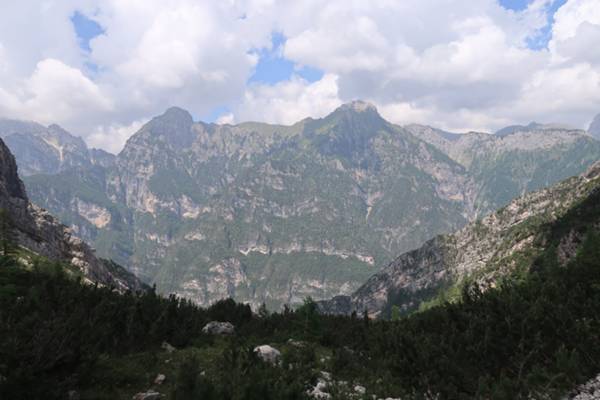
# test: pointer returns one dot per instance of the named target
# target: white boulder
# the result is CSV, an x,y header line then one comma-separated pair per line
x,y
149,395
160,378
219,328
268,354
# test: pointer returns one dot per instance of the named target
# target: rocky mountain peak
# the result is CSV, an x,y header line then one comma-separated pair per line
x,y
358,106
173,127
177,114
594,128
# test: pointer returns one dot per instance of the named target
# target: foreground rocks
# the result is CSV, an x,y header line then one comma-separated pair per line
x,y
149,395
219,328
588,391
268,354
160,379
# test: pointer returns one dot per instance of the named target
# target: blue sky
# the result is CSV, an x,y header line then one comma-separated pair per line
x,y
541,40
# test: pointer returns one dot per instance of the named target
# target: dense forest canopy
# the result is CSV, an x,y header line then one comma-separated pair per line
x,y
514,341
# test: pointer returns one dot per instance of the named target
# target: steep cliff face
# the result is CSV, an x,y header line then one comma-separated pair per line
x,y
272,213
39,232
503,244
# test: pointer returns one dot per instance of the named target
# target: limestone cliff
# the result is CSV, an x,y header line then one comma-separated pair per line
x,y
41,233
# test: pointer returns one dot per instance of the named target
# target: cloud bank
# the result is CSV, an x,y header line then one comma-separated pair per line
x,y
457,64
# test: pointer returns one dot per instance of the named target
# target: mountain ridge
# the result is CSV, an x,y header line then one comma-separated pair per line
x,y
273,213
485,251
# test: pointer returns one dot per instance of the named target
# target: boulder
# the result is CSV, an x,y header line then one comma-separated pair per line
x,y
149,395
167,347
219,328
268,354
319,391
160,378
360,389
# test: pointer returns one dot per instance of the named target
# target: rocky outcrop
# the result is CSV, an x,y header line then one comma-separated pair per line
x,y
219,328
484,251
148,395
268,354
41,233
588,391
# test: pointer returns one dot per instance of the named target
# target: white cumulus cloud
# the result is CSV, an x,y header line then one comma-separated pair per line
x,y
457,64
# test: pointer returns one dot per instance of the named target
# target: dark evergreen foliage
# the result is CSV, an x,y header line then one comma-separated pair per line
x,y
515,341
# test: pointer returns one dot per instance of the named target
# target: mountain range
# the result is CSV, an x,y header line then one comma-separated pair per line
x,y
273,213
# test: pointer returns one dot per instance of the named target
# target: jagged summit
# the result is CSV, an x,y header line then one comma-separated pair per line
x,y
177,113
358,106
173,126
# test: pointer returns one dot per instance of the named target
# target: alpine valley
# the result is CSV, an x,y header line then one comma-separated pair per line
x,y
275,214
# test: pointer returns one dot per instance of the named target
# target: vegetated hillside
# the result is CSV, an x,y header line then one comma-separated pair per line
x,y
36,231
487,251
534,336
271,213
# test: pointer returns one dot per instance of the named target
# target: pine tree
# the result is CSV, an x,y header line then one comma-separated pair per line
x,y
7,234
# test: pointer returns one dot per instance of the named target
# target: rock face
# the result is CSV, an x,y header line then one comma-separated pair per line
x,y
484,251
594,128
219,328
41,233
274,214
268,354
588,391
48,150
149,395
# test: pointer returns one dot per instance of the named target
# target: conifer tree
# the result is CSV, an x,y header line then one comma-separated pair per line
x,y
7,234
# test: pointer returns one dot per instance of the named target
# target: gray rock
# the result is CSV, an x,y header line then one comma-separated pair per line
x,y
588,391
167,347
320,390
160,379
360,389
219,328
149,395
268,354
